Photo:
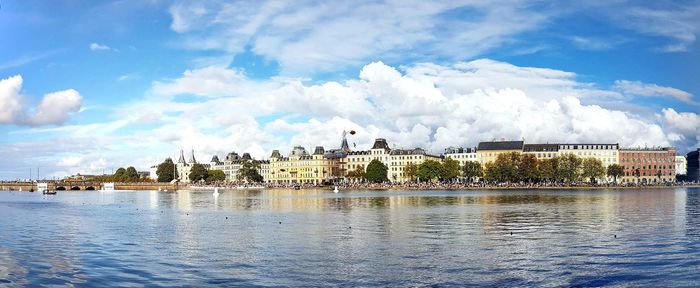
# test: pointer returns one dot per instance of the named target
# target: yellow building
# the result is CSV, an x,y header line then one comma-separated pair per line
x,y
302,168
487,152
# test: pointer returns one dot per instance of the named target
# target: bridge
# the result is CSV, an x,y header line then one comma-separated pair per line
x,y
88,186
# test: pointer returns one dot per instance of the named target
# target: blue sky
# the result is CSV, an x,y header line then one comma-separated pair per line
x,y
89,86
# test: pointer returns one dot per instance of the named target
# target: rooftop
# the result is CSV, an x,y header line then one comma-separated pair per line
x,y
500,145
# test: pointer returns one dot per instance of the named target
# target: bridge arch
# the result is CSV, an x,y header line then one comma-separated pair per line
x,y
60,188
75,188
90,188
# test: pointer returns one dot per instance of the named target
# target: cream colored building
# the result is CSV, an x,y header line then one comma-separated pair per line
x,y
184,167
462,155
304,168
395,159
487,152
542,151
606,153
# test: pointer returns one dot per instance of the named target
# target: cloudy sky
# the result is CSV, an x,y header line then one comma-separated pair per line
x,y
90,86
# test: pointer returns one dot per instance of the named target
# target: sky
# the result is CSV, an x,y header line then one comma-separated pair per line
x,y
90,86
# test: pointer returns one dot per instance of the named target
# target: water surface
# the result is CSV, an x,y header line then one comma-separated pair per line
x,y
356,238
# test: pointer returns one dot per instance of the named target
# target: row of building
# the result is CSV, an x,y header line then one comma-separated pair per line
x,y
641,165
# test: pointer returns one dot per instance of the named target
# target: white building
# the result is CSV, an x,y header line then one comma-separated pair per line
x,y
396,159
184,168
462,155
681,165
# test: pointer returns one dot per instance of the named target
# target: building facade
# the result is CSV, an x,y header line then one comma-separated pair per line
x,y
487,152
648,165
542,151
300,167
606,153
184,167
462,155
396,160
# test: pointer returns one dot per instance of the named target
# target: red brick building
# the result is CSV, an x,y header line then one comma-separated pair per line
x,y
648,165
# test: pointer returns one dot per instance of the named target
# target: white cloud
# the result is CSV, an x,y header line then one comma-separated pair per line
x,y
677,22
53,109
212,81
99,47
306,35
56,107
11,102
651,90
425,105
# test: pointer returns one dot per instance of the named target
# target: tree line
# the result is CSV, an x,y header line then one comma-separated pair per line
x,y
508,167
249,172
128,174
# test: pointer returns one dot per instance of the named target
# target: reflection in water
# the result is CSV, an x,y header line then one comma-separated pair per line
x,y
354,238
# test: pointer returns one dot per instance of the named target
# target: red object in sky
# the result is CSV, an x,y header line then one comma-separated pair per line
x,y
352,132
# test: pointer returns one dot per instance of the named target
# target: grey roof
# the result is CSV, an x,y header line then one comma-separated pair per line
x,y
246,156
415,151
319,150
380,143
215,159
276,154
299,151
233,156
455,150
541,147
500,145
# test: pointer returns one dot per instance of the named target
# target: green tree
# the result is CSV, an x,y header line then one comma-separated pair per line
x,y
166,171
472,170
249,171
376,171
429,170
131,174
569,167
198,172
450,169
358,173
548,169
120,175
527,168
410,171
504,169
216,175
615,170
592,168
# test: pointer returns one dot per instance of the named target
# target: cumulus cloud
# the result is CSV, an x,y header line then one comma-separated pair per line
x,y
99,47
651,90
53,109
11,102
56,107
424,105
212,81
682,127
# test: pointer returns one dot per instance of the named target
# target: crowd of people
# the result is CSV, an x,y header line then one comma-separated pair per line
x,y
442,185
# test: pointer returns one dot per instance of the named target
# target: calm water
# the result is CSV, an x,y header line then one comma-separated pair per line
x,y
360,238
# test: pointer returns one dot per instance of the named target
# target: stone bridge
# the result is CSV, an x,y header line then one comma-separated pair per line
x,y
88,186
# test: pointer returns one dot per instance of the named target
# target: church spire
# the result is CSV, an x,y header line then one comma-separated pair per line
x,y
344,145
192,160
182,157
